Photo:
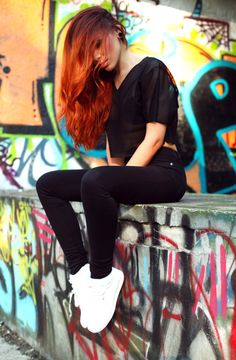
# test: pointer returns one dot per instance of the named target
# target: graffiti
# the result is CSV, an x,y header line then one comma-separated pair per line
x,y
197,8
28,114
25,270
5,69
179,288
6,166
18,263
209,103
187,298
214,31
36,154
179,285
30,125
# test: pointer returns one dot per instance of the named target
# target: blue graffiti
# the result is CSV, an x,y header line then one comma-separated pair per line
x,y
220,137
225,86
6,290
101,153
187,93
25,307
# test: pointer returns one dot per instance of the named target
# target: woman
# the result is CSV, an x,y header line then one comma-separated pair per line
x,y
106,88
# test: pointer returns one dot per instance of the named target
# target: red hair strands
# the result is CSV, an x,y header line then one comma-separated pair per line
x,y
86,89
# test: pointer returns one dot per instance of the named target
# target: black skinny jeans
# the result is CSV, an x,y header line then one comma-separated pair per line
x,y
101,190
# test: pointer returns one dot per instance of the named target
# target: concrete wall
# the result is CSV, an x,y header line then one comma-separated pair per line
x,y
178,299
195,39
211,8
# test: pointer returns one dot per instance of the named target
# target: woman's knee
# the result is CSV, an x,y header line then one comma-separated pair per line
x,y
46,181
93,179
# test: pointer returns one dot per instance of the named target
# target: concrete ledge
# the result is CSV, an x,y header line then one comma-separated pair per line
x,y
178,298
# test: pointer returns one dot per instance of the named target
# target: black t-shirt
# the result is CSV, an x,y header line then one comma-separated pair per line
x,y
147,94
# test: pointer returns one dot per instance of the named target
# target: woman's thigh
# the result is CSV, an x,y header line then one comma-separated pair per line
x,y
137,184
64,184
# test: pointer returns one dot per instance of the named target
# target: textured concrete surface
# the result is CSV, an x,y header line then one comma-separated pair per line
x,y
15,346
210,8
179,266
10,352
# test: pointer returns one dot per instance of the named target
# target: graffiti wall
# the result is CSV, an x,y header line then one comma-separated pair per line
x,y
200,52
177,302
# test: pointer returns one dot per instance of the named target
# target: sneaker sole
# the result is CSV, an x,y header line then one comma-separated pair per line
x,y
83,321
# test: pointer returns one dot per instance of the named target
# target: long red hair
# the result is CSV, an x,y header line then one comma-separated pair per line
x,y
86,89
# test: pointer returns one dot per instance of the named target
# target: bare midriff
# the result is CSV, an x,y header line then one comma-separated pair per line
x,y
170,146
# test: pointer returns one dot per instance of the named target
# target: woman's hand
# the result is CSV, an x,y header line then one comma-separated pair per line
x,y
113,161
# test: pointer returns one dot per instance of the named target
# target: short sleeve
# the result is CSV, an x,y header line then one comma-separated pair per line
x,y
159,94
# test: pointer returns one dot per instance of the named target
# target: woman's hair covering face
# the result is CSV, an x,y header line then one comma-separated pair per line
x,y
86,90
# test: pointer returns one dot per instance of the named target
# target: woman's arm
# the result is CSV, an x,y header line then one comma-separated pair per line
x,y
154,138
113,161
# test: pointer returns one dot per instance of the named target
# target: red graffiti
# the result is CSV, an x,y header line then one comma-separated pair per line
x,y
167,315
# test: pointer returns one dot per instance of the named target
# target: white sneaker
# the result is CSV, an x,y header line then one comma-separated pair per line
x,y
79,282
102,295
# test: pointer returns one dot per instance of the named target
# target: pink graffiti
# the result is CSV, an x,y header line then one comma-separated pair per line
x,y
45,232
198,288
213,296
223,280
177,268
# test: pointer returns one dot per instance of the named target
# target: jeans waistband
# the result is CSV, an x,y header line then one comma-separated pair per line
x,y
166,154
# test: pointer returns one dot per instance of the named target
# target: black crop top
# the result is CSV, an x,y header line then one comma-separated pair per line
x,y
147,94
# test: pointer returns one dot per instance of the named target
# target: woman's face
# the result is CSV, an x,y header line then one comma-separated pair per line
x,y
108,59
